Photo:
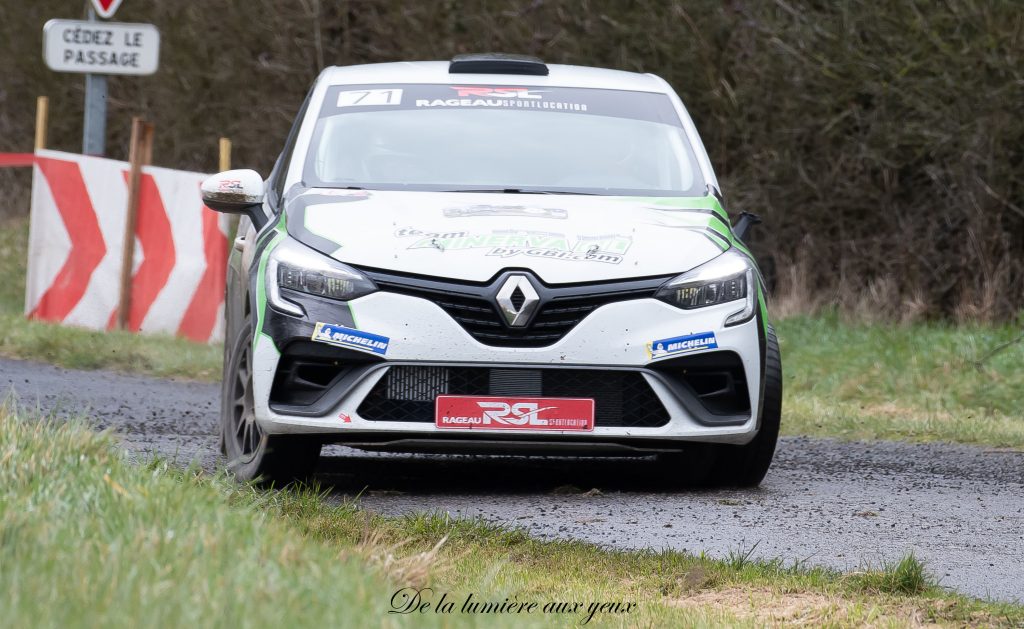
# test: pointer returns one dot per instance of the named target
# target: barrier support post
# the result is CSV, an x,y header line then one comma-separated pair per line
x,y
42,118
140,153
225,155
223,164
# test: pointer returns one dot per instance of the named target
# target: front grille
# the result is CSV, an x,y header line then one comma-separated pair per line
x,y
553,320
474,308
621,398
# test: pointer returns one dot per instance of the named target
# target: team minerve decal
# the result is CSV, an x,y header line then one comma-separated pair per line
x,y
604,248
348,337
681,345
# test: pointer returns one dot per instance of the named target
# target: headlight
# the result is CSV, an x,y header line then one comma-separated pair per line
x,y
729,277
295,266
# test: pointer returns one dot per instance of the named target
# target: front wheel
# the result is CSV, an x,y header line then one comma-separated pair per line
x,y
251,453
746,465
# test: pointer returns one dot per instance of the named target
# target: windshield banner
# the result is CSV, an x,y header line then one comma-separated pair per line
x,y
646,106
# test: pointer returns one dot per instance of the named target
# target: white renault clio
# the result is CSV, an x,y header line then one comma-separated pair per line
x,y
494,255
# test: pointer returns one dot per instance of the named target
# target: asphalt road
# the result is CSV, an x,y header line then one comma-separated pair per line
x,y
845,505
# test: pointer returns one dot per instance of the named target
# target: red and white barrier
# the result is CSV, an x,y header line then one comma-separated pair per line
x,y
75,244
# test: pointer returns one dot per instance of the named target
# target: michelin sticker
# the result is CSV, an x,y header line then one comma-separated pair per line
x,y
681,345
347,337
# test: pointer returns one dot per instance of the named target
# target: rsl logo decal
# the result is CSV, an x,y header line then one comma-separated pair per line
x,y
603,248
499,413
483,91
681,345
517,414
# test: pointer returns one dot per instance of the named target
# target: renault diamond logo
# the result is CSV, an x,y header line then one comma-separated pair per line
x,y
517,300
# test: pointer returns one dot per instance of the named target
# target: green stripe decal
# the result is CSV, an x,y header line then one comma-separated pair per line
x,y
705,203
722,228
736,242
763,305
261,284
721,242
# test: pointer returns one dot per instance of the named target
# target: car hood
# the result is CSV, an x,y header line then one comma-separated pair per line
x,y
473,236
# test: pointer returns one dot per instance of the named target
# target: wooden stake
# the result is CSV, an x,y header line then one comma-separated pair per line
x,y
42,116
225,154
140,153
225,164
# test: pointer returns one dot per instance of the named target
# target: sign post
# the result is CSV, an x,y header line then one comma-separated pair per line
x,y
42,116
94,125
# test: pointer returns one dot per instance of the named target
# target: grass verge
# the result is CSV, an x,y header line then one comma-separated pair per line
x,y
90,539
915,381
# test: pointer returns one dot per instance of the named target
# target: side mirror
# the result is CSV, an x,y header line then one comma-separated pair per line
x,y
743,224
236,192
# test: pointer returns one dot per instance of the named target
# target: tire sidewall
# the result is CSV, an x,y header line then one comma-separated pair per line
x,y
244,467
747,465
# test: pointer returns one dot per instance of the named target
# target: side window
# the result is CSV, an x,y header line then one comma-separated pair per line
x,y
280,173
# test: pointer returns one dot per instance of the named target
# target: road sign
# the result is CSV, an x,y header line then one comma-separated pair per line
x,y
101,47
106,8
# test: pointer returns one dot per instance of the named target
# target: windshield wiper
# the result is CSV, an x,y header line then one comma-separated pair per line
x,y
521,191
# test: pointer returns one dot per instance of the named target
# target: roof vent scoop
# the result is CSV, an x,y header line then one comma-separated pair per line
x,y
497,63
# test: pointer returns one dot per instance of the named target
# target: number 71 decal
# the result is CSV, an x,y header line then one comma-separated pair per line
x,y
369,98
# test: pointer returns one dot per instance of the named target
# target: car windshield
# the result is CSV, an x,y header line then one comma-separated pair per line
x,y
504,139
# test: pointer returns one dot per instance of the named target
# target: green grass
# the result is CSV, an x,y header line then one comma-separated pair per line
x,y
842,379
917,382
89,539
78,348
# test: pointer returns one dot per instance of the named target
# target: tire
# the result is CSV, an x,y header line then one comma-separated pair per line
x,y
690,468
746,465
251,454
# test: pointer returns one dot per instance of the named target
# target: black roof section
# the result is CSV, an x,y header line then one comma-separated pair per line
x,y
497,63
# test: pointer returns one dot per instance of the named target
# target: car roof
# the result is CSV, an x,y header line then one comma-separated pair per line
x,y
436,72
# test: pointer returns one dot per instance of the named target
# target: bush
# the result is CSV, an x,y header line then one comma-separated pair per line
x,y
881,142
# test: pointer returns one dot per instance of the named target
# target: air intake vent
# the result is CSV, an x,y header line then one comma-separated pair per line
x,y
417,384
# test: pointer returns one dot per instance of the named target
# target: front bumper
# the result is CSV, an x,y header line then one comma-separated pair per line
x,y
608,346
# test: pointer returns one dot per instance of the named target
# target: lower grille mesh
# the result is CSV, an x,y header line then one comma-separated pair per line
x,y
621,398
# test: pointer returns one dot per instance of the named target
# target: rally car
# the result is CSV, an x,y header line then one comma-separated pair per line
x,y
494,255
